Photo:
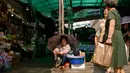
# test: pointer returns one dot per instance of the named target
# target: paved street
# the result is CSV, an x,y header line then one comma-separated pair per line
x,y
39,67
90,68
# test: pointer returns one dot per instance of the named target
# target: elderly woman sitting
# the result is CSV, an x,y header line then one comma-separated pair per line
x,y
62,49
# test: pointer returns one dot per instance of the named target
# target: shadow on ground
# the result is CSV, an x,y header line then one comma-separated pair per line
x,y
37,65
99,69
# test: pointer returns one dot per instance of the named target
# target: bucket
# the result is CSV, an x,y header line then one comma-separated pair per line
x,y
76,59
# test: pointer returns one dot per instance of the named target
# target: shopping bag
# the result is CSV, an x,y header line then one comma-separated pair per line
x,y
127,51
102,55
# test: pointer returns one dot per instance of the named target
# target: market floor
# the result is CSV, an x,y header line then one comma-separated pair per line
x,y
44,65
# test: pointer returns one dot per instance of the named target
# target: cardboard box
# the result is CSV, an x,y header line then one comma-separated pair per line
x,y
78,66
15,61
83,54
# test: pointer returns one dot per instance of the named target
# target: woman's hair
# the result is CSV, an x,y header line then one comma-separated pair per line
x,y
111,3
63,37
104,11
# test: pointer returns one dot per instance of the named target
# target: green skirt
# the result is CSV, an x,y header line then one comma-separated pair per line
x,y
119,58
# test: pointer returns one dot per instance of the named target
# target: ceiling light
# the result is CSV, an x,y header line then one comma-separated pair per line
x,y
22,21
12,15
86,26
27,8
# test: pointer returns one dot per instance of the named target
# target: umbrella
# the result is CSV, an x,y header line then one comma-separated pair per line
x,y
55,40
125,20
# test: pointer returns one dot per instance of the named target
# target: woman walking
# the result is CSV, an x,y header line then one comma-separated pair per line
x,y
113,35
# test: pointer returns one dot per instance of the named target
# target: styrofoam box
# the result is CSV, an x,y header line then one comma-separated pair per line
x,y
78,66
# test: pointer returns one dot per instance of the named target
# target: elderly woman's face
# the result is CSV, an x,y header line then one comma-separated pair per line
x,y
126,26
63,42
105,13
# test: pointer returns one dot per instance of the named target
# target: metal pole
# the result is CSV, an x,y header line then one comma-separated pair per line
x,y
101,9
59,18
69,25
62,3
69,19
69,16
101,12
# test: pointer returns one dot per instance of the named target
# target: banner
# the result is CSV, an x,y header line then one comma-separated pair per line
x,y
86,13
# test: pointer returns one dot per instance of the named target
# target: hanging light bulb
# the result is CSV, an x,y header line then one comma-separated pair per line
x,y
22,21
12,15
27,8
86,26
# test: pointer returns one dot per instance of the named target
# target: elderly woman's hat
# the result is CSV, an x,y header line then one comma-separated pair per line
x,y
111,3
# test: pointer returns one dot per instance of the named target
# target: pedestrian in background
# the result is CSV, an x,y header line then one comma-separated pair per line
x,y
100,33
126,36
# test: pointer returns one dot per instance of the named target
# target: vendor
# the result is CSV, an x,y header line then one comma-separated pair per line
x,y
62,49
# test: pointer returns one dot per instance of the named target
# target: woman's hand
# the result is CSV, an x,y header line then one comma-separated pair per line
x,y
109,40
54,52
128,43
60,53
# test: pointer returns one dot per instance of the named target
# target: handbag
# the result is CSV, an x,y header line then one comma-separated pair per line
x,y
102,54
